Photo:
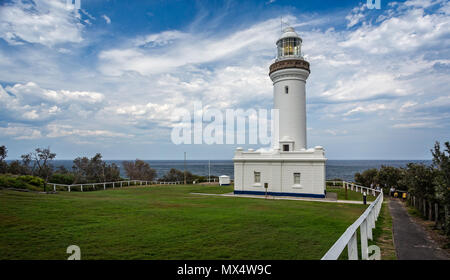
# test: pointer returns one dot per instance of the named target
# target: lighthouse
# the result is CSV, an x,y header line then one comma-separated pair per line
x,y
289,73
289,168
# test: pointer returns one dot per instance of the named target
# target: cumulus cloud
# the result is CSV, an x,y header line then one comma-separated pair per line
x,y
45,22
30,102
20,132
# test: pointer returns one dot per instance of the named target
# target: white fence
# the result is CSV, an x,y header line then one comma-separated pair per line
x,y
366,222
118,184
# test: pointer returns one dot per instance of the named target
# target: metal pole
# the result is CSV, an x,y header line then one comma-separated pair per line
x,y
185,168
209,171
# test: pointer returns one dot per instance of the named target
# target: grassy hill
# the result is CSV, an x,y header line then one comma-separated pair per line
x,y
167,222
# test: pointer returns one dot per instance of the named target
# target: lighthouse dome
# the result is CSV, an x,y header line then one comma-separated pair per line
x,y
289,32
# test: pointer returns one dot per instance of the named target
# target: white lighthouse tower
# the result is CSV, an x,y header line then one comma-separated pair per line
x,y
290,168
289,74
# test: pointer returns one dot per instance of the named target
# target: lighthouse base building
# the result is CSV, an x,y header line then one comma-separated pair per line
x,y
297,173
289,168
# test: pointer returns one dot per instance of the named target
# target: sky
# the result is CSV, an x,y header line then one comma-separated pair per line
x,y
111,77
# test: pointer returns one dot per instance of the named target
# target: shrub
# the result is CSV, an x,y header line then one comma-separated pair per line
x,y
65,179
21,182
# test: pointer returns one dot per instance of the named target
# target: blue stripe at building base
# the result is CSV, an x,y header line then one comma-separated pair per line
x,y
281,194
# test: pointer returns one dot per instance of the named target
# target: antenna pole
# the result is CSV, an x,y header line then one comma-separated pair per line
x,y
281,24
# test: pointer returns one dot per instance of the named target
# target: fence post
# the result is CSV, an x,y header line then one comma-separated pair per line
x,y
113,185
446,220
69,187
81,187
363,230
424,202
104,186
430,211
436,213
54,187
370,222
353,248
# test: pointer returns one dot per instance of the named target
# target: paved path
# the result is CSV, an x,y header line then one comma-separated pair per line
x,y
411,240
285,198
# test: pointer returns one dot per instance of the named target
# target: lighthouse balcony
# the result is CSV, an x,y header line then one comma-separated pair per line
x,y
289,63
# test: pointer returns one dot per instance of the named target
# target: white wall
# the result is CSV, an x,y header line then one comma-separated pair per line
x,y
280,176
292,106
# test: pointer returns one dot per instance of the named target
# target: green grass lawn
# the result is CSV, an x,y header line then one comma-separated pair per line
x,y
167,222
351,195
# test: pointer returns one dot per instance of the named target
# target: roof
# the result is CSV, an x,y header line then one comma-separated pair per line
x,y
289,32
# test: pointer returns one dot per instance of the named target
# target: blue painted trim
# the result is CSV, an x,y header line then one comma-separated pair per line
x,y
225,184
281,194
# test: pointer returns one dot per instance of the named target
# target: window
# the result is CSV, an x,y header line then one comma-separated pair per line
x,y
289,47
286,89
286,148
297,178
257,177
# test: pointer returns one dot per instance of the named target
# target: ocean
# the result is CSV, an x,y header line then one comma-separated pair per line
x,y
343,169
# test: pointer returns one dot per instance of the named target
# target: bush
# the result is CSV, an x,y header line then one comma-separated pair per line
x,y
22,182
32,180
65,179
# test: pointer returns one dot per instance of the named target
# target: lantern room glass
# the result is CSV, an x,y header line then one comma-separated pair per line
x,y
289,47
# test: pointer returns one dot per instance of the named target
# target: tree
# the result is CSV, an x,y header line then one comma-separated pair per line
x,y
15,167
43,158
26,160
389,176
175,175
80,168
111,172
94,170
418,179
368,177
441,161
3,155
139,170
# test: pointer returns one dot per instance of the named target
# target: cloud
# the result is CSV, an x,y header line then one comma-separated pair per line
x,y
29,102
415,125
408,29
46,22
20,132
107,19
367,109
55,131
146,57
356,15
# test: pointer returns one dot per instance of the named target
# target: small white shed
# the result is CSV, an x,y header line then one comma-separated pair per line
x,y
224,180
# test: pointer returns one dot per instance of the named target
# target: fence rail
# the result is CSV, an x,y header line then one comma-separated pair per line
x,y
366,222
118,184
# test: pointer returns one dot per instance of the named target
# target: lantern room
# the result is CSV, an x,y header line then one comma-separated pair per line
x,y
289,45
